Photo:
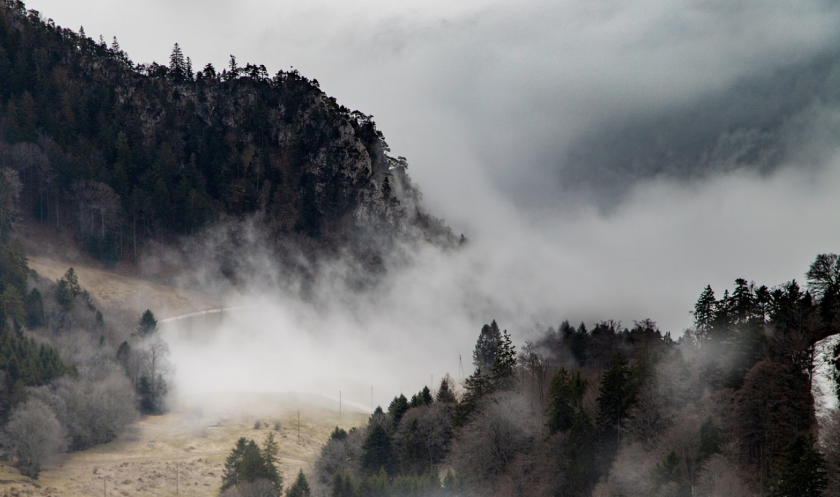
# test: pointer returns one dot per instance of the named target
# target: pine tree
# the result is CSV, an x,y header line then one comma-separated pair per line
x,y
377,451
271,461
177,64
704,311
615,397
475,388
711,439
565,400
342,485
67,291
484,354
398,408
445,393
300,488
504,366
743,301
252,466
802,471
233,465
248,463
147,324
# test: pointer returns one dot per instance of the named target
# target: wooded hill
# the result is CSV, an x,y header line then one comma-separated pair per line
x,y
126,153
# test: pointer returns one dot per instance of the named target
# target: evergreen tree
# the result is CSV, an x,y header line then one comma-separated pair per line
x,y
339,433
342,485
802,471
616,395
711,439
398,408
177,64
300,488
377,451
504,365
475,388
704,311
484,355
422,398
271,462
565,400
68,289
231,474
446,393
375,485
252,465
34,306
247,463
147,324
743,301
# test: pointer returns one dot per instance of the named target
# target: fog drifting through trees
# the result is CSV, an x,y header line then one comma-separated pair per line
x,y
424,315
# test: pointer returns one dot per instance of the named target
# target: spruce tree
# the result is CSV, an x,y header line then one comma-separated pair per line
x,y
177,64
802,471
484,354
445,393
147,324
565,400
475,388
300,488
377,451
233,465
342,485
504,365
271,461
398,408
615,397
704,311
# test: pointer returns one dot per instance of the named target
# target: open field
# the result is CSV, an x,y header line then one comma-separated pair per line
x,y
183,452
127,292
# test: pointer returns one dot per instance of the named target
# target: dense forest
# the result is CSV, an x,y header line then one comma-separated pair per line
x,y
727,409
125,154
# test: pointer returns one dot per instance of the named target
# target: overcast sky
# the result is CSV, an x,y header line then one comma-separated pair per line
x,y
607,159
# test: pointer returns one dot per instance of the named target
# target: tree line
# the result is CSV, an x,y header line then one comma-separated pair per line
x,y
726,409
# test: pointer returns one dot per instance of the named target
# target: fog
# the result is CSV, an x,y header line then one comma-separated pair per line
x,y
605,160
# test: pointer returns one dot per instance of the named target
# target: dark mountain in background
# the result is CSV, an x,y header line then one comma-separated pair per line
x,y
127,154
759,123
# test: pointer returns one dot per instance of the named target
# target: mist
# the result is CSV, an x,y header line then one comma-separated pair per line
x,y
605,161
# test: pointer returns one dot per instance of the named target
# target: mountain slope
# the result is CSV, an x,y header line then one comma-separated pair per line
x,y
126,154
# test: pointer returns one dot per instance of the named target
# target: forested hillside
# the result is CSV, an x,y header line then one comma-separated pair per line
x,y
725,410
125,153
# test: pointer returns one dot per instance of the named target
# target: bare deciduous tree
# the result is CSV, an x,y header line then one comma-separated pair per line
x,y
93,409
32,435
505,428
434,425
339,455
721,478
630,474
98,206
